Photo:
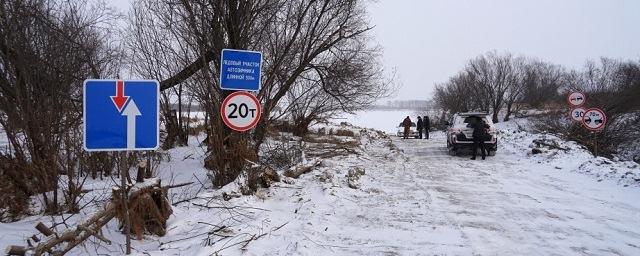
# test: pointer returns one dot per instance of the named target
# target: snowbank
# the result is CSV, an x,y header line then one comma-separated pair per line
x,y
564,155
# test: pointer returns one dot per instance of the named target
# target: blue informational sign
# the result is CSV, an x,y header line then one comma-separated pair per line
x,y
121,115
240,70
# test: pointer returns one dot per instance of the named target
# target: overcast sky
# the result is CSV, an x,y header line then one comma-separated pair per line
x,y
427,41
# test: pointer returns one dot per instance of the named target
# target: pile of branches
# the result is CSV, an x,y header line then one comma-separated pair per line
x,y
148,211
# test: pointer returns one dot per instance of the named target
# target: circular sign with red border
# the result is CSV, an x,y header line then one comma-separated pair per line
x,y
594,119
576,99
577,114
240,111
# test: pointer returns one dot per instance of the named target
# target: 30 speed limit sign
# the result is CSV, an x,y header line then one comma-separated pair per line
x,y
577,114
240,111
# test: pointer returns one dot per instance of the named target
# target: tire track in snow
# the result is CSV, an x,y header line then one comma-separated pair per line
x,y
507,205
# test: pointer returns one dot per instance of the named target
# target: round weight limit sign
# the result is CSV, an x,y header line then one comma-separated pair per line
x,y
240,111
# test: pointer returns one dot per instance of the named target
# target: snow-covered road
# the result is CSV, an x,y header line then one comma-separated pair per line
x,y
424,202
507,206
413,200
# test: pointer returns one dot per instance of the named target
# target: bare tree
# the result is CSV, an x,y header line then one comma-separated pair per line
x,y
47,49
341,81
293,36
521,74
542,83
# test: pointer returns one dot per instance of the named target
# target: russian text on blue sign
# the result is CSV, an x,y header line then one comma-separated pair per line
x,y
121,115
240,70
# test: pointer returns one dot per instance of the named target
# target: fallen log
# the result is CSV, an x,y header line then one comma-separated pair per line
x,y
543,143
296,171
84,229
15,250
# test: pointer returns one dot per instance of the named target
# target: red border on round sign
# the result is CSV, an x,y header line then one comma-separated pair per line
x,y
604,120
236,128
571,114
575,106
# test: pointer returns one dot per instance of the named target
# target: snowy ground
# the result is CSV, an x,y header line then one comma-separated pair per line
x,y
413,199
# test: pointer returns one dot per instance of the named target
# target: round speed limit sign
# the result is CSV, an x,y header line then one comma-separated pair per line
x,y
577,114
240,111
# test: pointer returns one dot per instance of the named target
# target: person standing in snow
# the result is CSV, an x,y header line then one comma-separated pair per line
x,y
419,123
427,125
407,126
479,136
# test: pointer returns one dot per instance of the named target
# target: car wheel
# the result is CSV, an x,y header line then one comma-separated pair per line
x,y
492,152
452,152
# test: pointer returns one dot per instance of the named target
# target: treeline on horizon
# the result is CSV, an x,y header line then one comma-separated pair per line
x,y
504,84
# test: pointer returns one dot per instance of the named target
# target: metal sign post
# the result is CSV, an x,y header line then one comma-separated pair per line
x,y
594,119
125,201
121,115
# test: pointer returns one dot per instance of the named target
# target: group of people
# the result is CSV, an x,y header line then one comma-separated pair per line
x,y
480,133
423,125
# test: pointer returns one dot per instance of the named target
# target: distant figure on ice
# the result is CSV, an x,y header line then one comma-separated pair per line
x,y
407,126
420,127
427,126
479,136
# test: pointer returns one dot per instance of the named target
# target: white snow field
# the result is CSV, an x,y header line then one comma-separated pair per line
x,y
382,120
413,199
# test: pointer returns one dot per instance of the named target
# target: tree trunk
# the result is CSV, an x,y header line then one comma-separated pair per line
x,y
494,118
302,127
508,114
229,150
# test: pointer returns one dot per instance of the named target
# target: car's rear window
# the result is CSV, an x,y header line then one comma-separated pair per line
x,y
468,120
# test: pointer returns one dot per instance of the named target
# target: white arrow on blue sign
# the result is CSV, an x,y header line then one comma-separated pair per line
x,y
240,70
121,115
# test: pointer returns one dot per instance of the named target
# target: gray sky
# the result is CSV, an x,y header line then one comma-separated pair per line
x,y
427,41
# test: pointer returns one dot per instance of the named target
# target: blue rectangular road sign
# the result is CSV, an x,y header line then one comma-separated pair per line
x,y
121,115
240,70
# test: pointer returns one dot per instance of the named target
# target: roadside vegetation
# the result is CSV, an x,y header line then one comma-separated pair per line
x,y
506,85
319,59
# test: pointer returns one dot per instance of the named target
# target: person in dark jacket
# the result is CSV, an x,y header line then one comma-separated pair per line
x,y
419,124
479,136
407,126
426,125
